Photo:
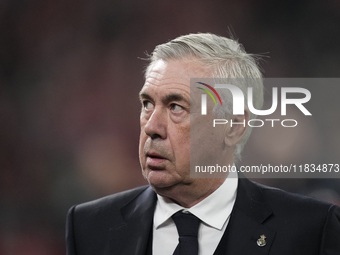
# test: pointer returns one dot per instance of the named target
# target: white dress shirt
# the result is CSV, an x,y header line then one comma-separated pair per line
x,y
214,212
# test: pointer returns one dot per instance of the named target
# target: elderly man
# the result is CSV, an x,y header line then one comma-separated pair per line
x,y
179,214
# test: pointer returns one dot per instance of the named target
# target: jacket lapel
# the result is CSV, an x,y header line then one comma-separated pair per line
x,y
247,223
245,228
132,234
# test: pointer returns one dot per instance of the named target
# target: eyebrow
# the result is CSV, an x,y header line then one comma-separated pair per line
x,y
173,97
143,95
167,99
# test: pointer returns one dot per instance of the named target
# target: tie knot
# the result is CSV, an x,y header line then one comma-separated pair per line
x,y
186,223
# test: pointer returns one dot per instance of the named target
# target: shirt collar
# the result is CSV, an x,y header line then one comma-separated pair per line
x,y
214,210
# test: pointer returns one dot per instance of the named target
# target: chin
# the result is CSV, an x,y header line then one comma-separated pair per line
x,y
160,179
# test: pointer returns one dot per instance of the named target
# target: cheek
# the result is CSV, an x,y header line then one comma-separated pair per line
x,y
142,140
181,148
181,134
206,141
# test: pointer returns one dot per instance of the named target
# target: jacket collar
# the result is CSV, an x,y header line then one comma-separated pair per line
x,y
247,224
131,235
251,201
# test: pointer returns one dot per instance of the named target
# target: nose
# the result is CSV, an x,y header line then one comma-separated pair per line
x,y
156,126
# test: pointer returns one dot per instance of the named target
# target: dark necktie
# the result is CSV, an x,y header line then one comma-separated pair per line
x,y
187,227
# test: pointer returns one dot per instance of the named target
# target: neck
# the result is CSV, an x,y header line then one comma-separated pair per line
x,y
191,195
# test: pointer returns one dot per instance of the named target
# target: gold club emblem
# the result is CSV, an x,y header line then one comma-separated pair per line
x,y
261,241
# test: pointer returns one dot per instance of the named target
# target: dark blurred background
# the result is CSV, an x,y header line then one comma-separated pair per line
x,y
70,73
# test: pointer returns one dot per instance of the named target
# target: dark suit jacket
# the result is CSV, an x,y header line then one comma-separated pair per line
x,y
293,224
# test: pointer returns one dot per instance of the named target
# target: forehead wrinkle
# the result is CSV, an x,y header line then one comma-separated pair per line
x,y
154,74
168,87
146,93
181,92
170,78
167,81
191,68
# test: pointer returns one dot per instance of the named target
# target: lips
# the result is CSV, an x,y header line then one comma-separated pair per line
x,y
154,155
155,160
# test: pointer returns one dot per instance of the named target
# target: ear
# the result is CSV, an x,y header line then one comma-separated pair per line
x,y
235,133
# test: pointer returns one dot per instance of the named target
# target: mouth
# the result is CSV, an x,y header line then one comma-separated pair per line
x,y
155,161
154,155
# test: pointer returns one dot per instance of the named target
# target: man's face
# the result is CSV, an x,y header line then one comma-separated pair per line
x,y
164,148
165,124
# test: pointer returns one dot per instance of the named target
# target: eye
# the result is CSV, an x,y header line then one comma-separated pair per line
x,y
176,108
147,105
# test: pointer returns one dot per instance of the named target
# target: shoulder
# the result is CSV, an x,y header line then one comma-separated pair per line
x,y
89,225
296,208
278,198
315,223
252,196
119,199
109,205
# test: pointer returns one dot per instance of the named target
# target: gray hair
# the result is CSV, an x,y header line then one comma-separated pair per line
x,y
228,62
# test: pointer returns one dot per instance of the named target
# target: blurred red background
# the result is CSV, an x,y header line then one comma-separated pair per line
x,y
70,73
